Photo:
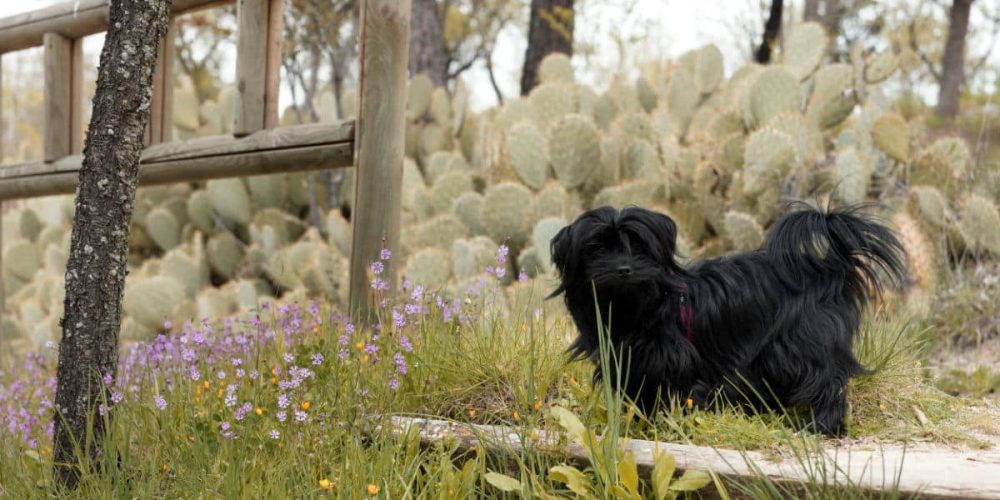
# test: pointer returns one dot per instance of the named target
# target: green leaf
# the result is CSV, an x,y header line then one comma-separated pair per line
x,y
575,480
567,420
503,482
664,465
628,474
32,454
616,491
691,480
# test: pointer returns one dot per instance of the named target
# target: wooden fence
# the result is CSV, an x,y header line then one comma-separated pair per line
x,y
373,143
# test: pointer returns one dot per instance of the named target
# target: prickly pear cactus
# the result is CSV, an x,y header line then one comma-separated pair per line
x,y
575,150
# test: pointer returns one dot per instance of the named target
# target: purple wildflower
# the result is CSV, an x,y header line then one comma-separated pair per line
x,y
317,359
161,404
400,361
378,267
385,254
393,383
274,434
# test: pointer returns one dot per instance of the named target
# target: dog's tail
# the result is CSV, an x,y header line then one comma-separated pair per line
x,y
844,244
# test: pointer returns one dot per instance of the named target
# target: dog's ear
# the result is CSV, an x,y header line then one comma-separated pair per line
x,y
561,249
665,230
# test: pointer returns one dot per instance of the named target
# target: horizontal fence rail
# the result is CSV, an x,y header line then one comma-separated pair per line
x,y
271,151
75,19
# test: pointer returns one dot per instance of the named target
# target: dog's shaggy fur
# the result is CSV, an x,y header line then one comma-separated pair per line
x,y
768,328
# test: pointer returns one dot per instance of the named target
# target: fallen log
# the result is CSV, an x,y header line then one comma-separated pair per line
x,y
925,473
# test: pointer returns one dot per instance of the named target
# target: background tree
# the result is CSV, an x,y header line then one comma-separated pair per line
x,y
772,28
427,53
550,29
952,65
95,274
447,37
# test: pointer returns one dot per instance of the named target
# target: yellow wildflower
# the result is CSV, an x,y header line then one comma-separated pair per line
x,y
325,484
372,490
206,385
305,405
165,468
690,403
538,405
259,411
472,413
517,416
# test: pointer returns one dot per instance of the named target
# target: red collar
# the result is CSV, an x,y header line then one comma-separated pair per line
x,y
687,313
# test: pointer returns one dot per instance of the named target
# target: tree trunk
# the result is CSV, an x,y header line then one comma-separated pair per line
x,y
95,274
427,53
550,30
952,65
772,28
810,11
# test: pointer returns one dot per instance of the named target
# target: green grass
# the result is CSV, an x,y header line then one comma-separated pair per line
x,y
500,365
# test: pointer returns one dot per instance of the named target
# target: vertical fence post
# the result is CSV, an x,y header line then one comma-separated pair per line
x,y
76,98
275,36
3,291
160,128
258,60
58,96
384,46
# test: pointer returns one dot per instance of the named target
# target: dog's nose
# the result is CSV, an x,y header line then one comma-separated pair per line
x,y
624,270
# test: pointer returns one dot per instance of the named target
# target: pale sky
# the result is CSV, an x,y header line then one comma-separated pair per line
x,y
704,21
673,26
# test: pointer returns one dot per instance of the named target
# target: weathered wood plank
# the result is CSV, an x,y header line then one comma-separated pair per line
x,y
275,38
76,99
284,149
251,63
169,47
932,474
72,19
161,106
384,41
58,54
3,291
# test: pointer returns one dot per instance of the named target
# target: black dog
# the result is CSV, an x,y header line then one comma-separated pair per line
x,y
769,327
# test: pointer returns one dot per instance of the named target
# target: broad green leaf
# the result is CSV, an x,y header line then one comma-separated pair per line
x,y
691,480
503,482
628,474
664,465
567,420
617,491
576,481
32,454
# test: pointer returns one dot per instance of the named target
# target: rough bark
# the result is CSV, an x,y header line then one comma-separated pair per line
x,y
810,11
95,274
427,52
550,30
952,65
772,28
